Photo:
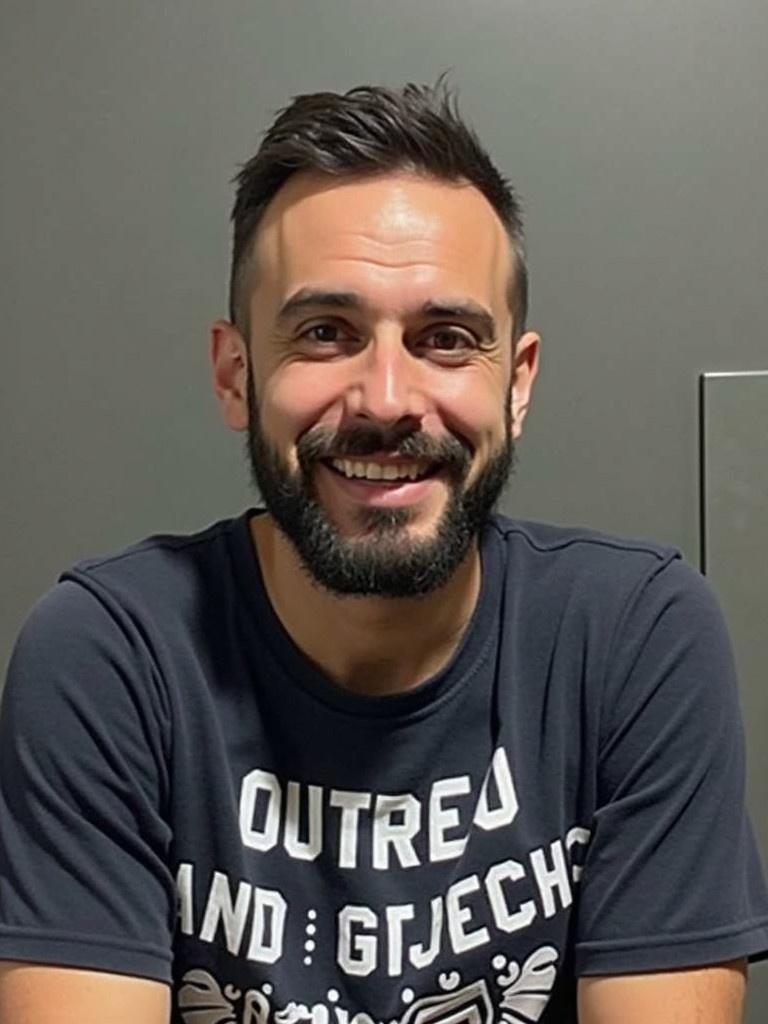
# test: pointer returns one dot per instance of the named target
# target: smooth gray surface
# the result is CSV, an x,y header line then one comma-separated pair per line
x,y
636,136
635,133
734,427
734,542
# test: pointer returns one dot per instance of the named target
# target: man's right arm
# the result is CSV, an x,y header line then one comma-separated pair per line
x,y
30,993
87,893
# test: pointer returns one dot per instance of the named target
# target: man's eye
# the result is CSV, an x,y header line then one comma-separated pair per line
x,y
332,328
446,340
450,341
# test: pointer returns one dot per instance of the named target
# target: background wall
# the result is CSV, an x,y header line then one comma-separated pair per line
x,y
636,134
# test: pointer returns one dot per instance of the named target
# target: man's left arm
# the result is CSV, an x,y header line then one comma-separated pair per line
x,y
703,995
672,899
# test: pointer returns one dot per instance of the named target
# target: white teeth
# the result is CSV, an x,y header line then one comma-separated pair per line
x,y
377,471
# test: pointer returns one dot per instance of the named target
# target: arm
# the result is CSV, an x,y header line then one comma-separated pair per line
x,y
672,881
30,993
85,880
706,995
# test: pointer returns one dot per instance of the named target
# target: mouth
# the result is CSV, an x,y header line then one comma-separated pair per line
x,y
390,484
382,470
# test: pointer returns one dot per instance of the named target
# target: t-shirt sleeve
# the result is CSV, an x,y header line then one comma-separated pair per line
x,y
84,841
672,877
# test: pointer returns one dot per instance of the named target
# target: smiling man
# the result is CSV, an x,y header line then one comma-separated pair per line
x,y
381,414
373,751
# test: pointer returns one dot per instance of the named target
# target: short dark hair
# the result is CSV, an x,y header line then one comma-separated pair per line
x,y
370,130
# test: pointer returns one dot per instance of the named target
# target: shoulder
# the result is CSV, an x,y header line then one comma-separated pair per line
x,y
152,592
108,617
607,591
160,571
562,563
546,542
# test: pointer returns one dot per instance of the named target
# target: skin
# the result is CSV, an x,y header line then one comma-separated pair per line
x,y
398,240
31,993
704,995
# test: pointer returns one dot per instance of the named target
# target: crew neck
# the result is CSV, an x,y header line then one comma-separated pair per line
x,y
474,646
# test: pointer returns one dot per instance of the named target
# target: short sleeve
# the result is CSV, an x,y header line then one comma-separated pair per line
x,y
672,877
84,842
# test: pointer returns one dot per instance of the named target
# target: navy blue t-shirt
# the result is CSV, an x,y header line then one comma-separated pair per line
x,y
185,796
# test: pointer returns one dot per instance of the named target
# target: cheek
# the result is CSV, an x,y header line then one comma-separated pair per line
x,y
473,409
294,401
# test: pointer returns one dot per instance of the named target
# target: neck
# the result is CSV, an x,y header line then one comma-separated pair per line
x,y
369,645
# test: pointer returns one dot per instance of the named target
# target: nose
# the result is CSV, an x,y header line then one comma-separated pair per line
x,y
386,385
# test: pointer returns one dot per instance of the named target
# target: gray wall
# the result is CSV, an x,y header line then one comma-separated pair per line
x,y
636,134
734,434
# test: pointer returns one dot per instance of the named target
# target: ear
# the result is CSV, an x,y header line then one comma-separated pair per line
x,y
229,362
525,369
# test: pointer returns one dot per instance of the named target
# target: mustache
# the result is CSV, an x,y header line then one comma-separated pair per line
x,y
324,443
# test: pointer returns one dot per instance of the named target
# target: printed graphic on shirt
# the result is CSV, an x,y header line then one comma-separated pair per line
x,y
418,943
520,996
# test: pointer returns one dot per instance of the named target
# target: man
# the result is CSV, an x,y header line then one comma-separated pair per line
x,y
375,752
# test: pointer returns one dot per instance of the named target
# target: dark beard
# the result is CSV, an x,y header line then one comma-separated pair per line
x,y
383,561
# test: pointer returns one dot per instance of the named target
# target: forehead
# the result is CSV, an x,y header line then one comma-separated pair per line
x,y
395,235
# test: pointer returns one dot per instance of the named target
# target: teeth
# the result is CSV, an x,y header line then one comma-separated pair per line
x,y
377,471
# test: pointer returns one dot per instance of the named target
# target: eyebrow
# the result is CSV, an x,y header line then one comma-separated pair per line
x,y
315,298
